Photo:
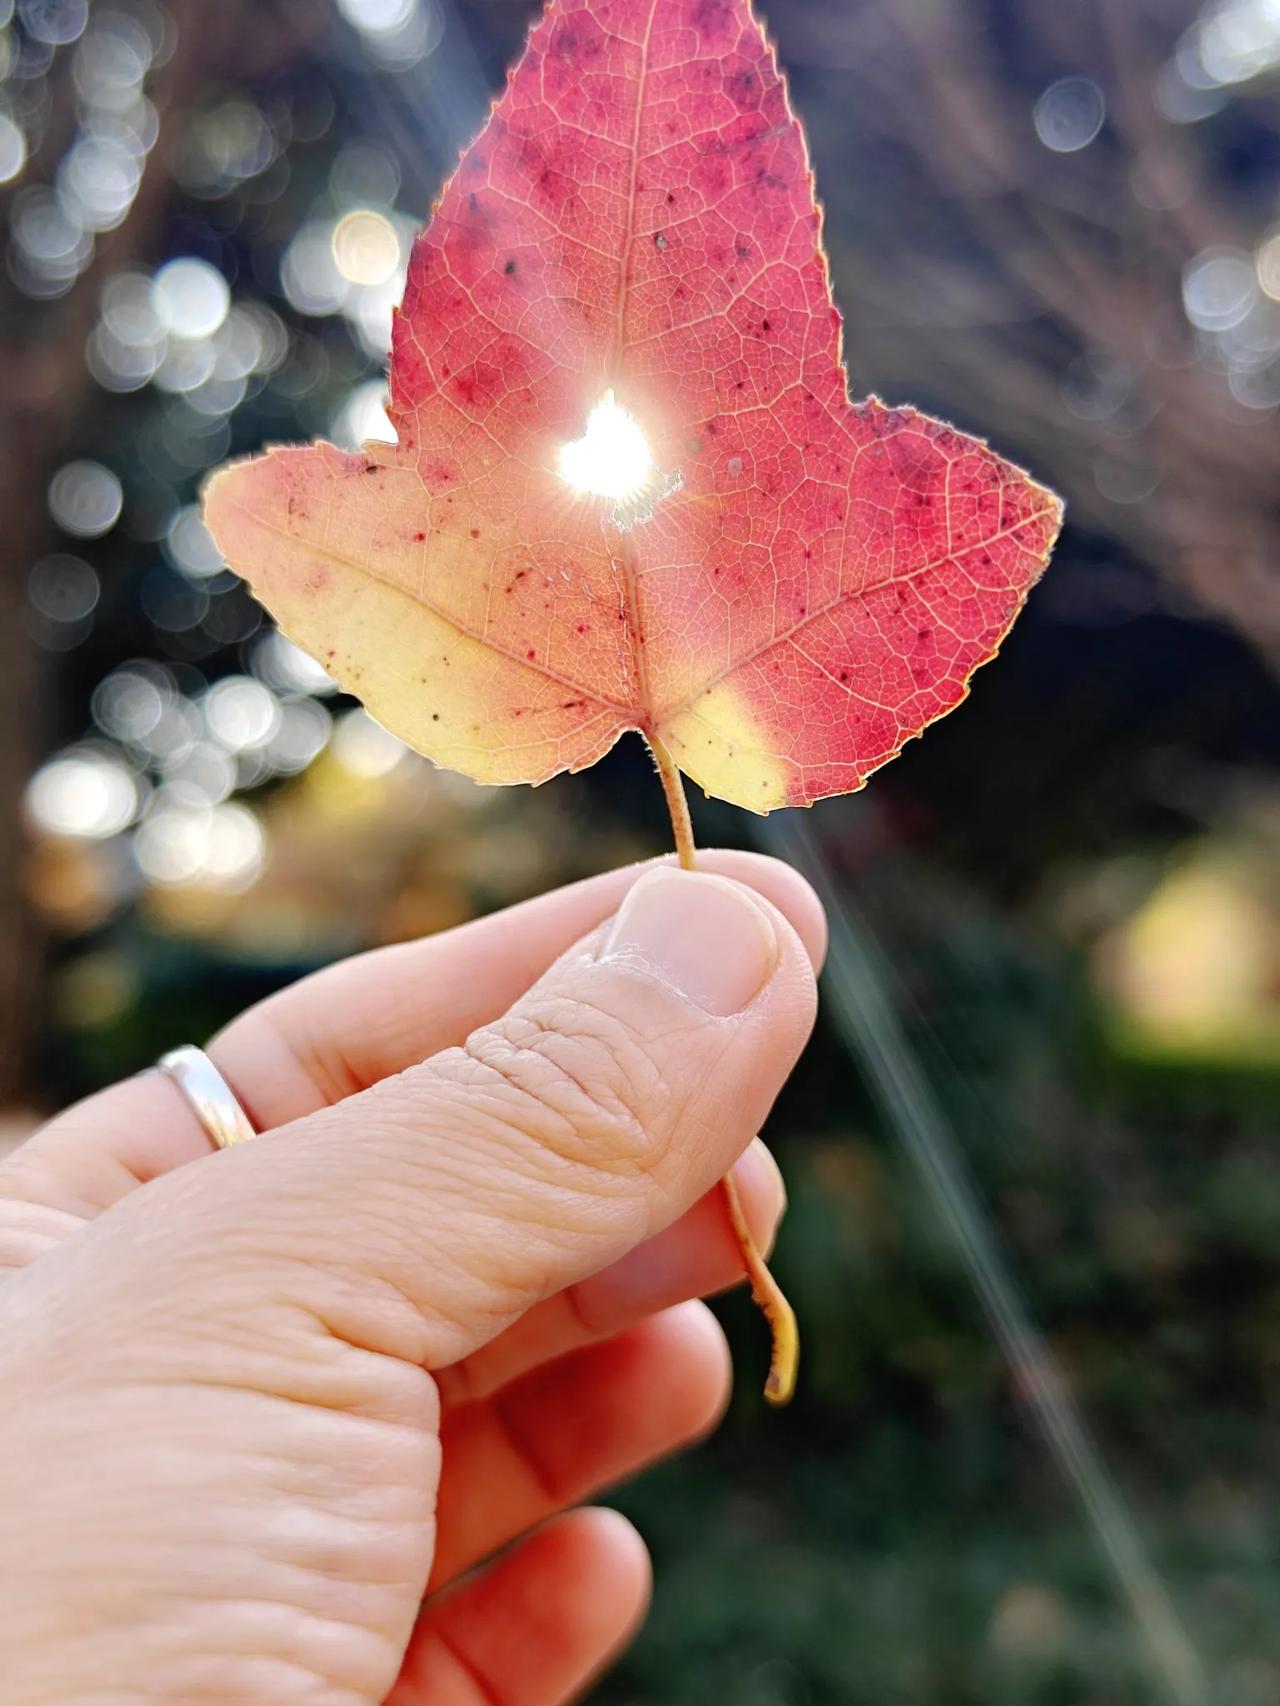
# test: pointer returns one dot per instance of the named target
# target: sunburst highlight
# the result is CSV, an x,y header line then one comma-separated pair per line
x,y
612,458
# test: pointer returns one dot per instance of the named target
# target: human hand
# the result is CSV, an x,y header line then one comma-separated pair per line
x,y
255,1404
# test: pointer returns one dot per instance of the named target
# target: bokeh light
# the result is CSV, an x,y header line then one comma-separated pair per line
x,y
364,173
309,274
201,775
129,703
97,181
1237,40
128,312
63,588
118,365
302,733
50,247
190,297
85,499
13,149
112,62
399,32
1069,114
220,846
83,793
55,22
363,417
366,249
1268,265
225,146
364,747
1194,965
287,669
377,17
190,547
1218,288
185,365
241,712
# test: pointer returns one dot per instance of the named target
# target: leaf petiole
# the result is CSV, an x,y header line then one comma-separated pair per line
x,y
677,804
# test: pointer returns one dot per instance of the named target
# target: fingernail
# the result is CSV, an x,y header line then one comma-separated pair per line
x,y
760,1180
701,934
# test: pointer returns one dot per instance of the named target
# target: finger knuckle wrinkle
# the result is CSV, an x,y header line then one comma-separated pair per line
x,y
578,1081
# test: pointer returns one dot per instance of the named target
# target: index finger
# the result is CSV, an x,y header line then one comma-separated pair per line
x,y
348,1027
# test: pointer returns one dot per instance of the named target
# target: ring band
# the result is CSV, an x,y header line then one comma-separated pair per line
x,y
208,1095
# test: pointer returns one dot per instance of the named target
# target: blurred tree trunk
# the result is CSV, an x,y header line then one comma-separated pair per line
x,y
47,386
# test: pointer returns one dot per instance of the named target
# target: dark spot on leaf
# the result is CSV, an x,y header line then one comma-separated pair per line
x,y
743,87
475,532
509,268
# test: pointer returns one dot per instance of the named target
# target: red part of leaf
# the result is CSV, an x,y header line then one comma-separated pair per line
x,y
817,580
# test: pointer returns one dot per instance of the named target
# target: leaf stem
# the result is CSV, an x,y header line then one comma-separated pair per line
x,y
677,804
767,1294
765,1290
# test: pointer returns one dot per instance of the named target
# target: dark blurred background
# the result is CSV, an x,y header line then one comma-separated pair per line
x,y
1057,962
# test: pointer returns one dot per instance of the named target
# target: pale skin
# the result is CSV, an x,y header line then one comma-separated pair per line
x,y
267,1416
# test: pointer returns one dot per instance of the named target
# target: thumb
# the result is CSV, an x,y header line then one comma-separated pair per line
x,y
422,1216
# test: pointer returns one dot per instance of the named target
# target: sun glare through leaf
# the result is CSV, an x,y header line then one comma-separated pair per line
x,y
611,459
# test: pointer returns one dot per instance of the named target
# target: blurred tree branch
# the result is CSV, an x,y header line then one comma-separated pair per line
x,y
1042,292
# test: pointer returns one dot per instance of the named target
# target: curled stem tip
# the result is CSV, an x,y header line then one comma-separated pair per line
x,y
780,1385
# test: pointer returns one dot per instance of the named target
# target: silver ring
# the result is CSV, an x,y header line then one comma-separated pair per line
x,y
208,1095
